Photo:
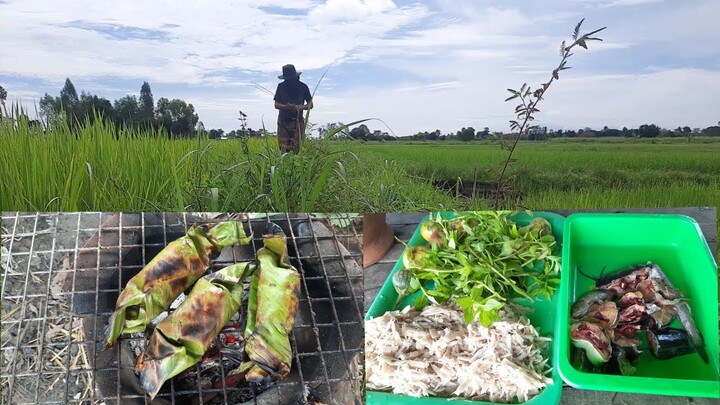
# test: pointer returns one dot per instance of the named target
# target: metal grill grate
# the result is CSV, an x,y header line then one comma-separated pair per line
x,y
63,272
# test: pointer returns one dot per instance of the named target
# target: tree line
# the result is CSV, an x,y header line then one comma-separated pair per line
x,y
176,117
467,134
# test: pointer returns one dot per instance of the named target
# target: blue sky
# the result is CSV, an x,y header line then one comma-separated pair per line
x,y
417,65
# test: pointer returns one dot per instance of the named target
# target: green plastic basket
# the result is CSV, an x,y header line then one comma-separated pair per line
x,y
542,317
617,241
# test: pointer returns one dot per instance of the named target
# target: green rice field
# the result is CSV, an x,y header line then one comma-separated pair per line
x,y
579,173
99,168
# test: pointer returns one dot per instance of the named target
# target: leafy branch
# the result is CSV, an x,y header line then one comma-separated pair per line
x,y
529,98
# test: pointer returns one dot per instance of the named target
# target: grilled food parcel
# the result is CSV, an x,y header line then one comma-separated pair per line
x,y
606,322
476,264
167,275
180,340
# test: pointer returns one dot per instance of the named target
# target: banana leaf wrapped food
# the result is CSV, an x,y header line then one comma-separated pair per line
x,y
168,274
272,306
180,340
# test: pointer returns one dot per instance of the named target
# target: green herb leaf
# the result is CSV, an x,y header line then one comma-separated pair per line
x,y
483,260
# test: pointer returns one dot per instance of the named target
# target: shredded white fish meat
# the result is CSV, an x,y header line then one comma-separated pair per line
x,y
435,353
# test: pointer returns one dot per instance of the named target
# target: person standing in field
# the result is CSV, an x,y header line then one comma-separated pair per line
x,y
291,97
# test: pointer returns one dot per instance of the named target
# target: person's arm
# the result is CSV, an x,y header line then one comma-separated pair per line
x,y
299,107
281,106
279,96
308,98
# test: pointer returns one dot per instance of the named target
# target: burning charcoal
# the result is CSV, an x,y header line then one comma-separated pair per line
x,y
181,339
272,306
168,274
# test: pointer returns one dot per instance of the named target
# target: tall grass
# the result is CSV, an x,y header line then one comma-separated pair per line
x,y
95,166
101,167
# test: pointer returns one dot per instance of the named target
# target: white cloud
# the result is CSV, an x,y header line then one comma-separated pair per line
x,y
350,9
615,3
206,38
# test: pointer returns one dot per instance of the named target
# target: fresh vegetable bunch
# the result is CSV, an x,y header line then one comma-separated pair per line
x,y
480,260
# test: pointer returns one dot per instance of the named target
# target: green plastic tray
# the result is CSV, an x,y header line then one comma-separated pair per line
x,y
543,318
617,241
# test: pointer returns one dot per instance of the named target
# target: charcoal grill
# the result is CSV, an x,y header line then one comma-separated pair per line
x,y
62,274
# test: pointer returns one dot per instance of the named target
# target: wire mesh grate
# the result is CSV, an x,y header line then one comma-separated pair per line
x,y
61,275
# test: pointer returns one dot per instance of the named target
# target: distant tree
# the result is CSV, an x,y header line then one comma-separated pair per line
x,y
648,131
687,130
360,132
324,130
200,129
433,136
50,109
177,117
91,107
537,133
126,111
216,133
609,132
466,134
146,106
484,134
68,94
712,130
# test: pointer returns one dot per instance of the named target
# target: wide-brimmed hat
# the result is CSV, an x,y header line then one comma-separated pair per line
x,y
289,72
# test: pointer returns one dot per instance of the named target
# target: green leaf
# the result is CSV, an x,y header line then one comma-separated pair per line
x,y
576,31
491,304
488,317
414,285
421,302
469,314
477,294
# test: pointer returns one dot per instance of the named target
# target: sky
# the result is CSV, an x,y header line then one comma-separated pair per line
x,y
415,65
